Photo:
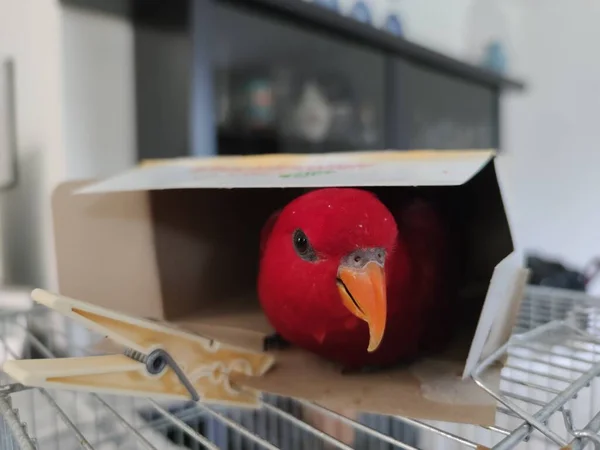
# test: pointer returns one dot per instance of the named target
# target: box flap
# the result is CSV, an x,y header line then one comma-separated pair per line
x,y
507,314
497,316
384,168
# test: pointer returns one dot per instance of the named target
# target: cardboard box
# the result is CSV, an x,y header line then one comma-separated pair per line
x,y
177,240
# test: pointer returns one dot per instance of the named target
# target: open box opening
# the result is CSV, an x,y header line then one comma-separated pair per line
x,y
179,241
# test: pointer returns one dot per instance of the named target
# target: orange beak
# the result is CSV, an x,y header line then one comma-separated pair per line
x,y
363,293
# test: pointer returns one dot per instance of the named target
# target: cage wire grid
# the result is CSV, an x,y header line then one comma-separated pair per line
x,y
549,397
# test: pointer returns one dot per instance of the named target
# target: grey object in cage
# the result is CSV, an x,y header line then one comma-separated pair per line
x,y
543,379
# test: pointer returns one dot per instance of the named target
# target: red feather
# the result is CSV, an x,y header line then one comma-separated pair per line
x,y
301,300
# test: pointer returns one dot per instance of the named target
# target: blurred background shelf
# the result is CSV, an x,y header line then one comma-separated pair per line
x,y
326,21
229,76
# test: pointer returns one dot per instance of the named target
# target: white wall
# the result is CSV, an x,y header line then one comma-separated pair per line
x,y
552,131
98,93
75,119
30,33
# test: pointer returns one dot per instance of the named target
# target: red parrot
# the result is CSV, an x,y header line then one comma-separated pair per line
x,y
345,278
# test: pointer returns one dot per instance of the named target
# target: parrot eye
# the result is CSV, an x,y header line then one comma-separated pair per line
x,y
303,247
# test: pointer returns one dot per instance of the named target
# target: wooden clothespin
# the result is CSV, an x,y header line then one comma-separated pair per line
x,y
158,361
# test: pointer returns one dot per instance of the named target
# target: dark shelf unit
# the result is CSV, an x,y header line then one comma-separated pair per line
x,y
425,99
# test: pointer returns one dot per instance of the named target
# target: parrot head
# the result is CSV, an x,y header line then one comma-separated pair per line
x,y
324,263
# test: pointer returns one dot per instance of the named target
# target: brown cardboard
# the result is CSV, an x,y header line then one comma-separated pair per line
x,y
156,244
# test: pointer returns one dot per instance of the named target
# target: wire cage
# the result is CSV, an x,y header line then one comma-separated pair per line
x,y
549,397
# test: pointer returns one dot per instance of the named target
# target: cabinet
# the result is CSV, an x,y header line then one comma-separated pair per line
x,y
291,76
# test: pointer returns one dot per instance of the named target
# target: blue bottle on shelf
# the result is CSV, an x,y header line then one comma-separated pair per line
x,y
495,57
360,11
394,25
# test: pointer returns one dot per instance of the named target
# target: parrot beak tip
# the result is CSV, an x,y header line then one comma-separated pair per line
x,y
375,338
